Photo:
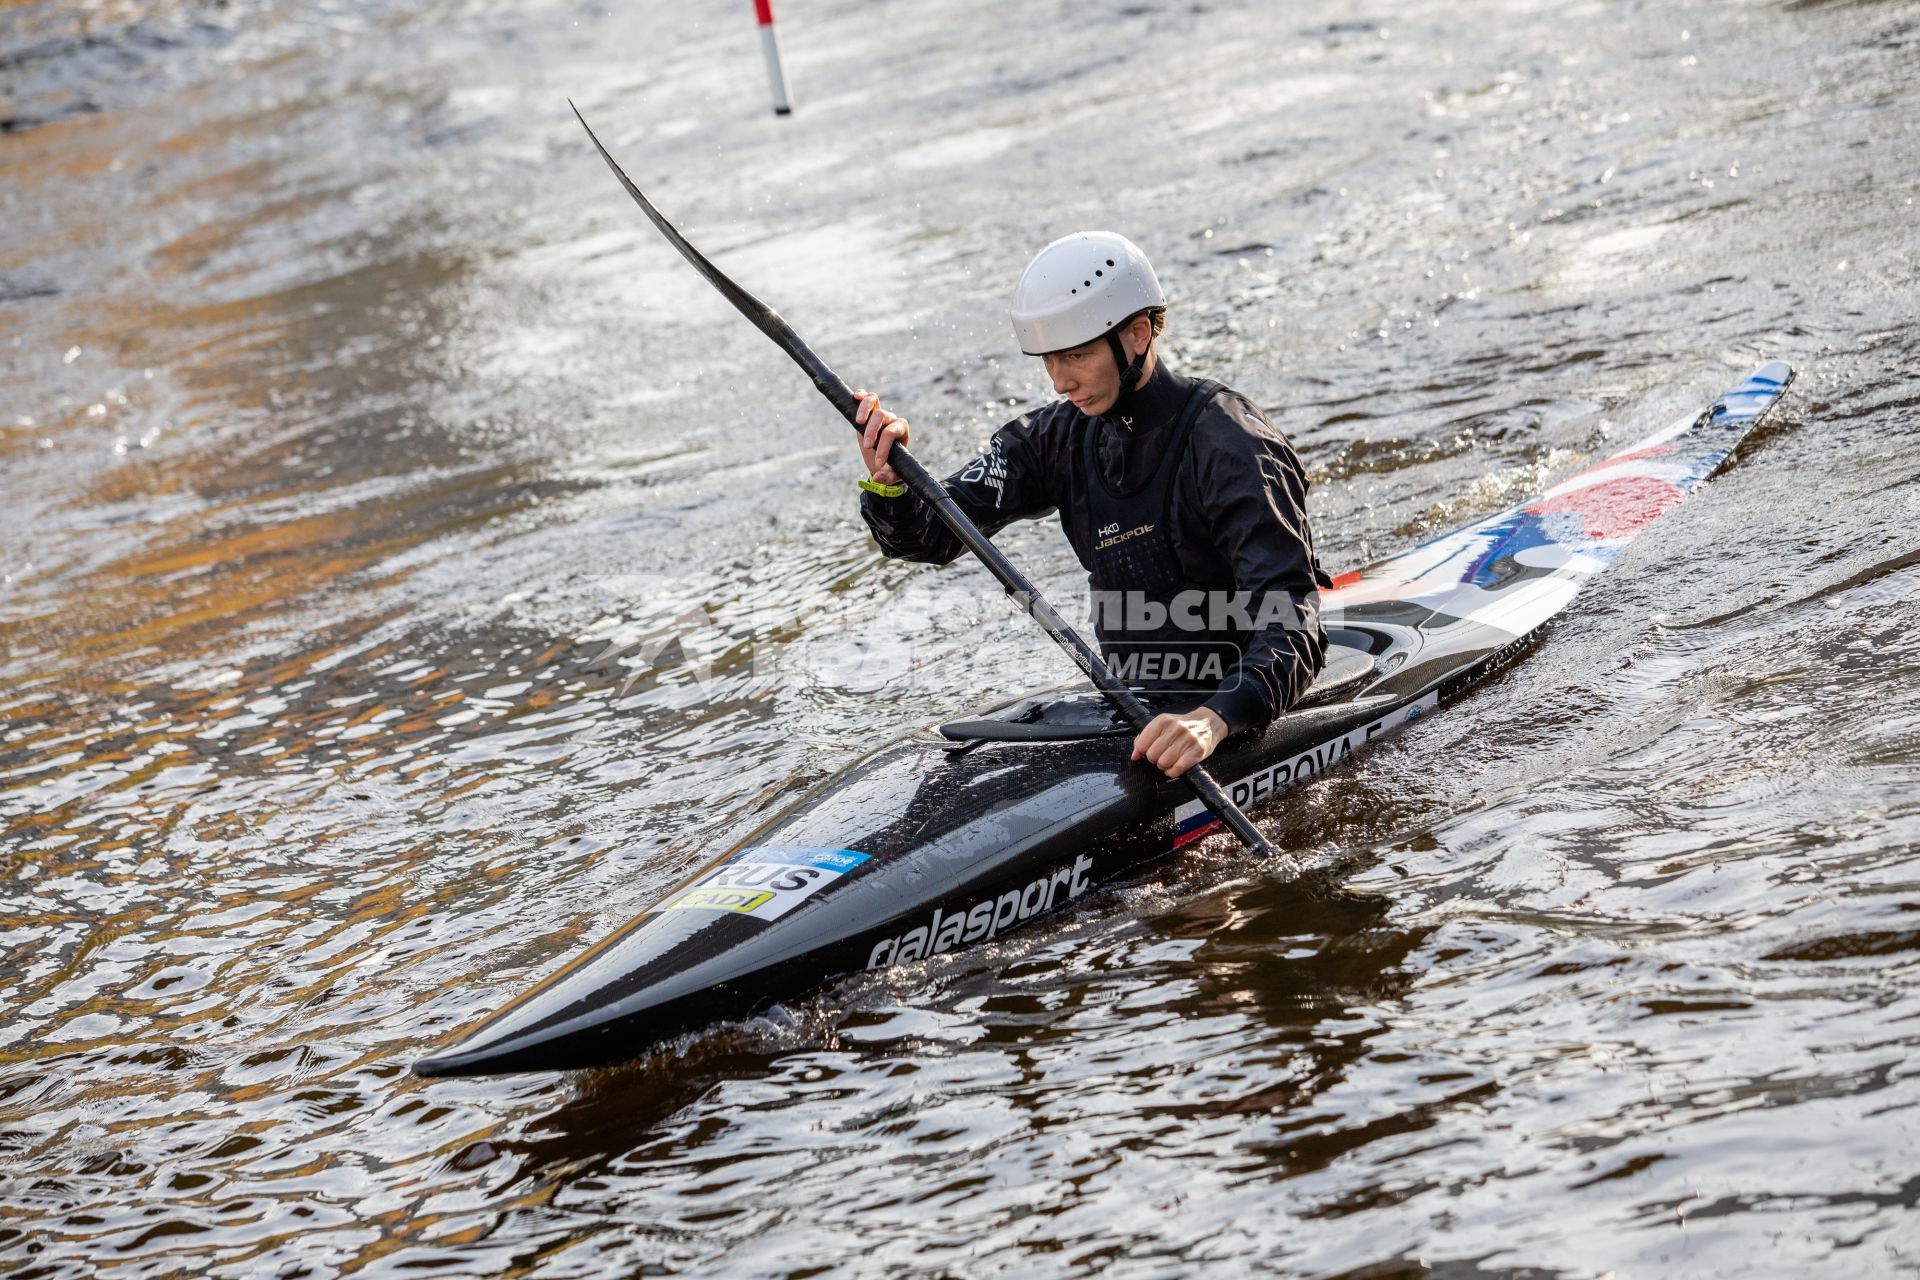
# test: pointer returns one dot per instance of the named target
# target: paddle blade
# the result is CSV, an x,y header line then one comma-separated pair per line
x,y
764,317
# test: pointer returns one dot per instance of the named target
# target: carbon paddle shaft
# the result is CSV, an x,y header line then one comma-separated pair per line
x,y
929,489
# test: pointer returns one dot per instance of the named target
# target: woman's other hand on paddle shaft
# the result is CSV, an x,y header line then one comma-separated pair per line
x,y
1174,744
878,430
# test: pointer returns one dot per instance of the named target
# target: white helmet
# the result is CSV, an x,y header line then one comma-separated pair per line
x,y
1081,287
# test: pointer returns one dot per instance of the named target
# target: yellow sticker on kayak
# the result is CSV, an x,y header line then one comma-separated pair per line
x,y
719,900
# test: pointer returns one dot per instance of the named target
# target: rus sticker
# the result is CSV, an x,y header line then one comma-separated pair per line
x,y
765,881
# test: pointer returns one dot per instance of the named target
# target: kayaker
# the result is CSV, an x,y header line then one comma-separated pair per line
x,y
1184,503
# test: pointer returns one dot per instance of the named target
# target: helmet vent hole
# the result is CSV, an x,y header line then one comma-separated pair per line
x,y
1109,261
1099,273
1087,284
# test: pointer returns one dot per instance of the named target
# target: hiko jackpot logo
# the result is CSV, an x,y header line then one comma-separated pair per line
x,y
1111,536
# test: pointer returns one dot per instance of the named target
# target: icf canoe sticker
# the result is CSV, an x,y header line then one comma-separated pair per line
x,y
765,881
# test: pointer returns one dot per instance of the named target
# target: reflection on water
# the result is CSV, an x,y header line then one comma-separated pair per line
x,y
407,568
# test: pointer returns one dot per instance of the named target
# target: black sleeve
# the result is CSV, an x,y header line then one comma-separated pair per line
x,y
1012,479
1256,514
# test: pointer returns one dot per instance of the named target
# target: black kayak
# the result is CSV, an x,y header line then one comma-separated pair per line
x,y
953,836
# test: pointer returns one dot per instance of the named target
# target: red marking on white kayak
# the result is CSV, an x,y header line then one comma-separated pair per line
x,y
1617,508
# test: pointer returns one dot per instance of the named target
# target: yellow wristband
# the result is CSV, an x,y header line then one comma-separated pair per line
x,y
884,490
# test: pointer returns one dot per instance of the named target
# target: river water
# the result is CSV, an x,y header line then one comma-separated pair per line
x,y
353,422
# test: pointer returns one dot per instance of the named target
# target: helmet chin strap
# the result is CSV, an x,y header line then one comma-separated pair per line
x,y
1129,369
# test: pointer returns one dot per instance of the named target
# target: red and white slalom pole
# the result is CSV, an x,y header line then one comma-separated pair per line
x,y
770,45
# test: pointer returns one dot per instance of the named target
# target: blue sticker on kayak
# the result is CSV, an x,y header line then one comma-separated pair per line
x,y
838,860
765,880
